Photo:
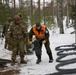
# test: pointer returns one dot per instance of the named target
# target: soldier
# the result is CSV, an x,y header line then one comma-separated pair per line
x,y
26,45
25,25
18,33
5,32
42,37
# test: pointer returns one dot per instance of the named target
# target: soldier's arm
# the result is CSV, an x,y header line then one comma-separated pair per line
x,y
24,31
25,34
11,31
3,32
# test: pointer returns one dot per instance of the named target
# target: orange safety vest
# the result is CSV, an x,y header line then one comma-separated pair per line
x,y
37,34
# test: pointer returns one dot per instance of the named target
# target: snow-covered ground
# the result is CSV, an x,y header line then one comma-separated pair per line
x,y
31,68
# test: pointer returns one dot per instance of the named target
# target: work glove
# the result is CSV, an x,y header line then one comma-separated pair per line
x,y
44,41
30,42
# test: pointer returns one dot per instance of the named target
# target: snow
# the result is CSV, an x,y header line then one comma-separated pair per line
x,y
31,68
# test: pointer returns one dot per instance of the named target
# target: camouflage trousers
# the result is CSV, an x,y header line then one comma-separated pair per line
x,y
8,44
18,48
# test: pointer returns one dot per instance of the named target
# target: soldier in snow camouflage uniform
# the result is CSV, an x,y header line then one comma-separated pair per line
x,y
18,33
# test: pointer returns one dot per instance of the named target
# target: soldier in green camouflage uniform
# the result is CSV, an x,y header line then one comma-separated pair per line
x,y
6,32
26,45
18,33
25,25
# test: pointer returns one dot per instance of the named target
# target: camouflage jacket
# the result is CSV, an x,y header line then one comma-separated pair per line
x,y
18,31
6,28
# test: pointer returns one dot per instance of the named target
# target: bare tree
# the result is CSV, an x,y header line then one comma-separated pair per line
x,y
67,12
75,20
60,15
31,8
14,7
44,10
52,8
39,9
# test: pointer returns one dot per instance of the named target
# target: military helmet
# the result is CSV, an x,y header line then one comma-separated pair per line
x,y
37,24
16,18
19,14
9,19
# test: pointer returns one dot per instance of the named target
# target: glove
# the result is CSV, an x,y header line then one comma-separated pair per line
x,y
44,41
30,42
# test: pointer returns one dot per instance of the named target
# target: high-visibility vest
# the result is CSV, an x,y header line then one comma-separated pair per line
x,y
42,31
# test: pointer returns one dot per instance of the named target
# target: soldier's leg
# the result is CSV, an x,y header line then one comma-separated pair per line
x,y
6,42
13,58
37,49
22,52
10,47
48,50
14,53
5,45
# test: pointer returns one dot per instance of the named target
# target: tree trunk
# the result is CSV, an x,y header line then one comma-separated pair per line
x,y
75,22
67,16
39,9
60,16
31,8
14,7
44,10
51,8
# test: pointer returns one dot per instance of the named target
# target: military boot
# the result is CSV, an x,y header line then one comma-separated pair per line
x,y
50,59
23,61
13,62
5,46
38,59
